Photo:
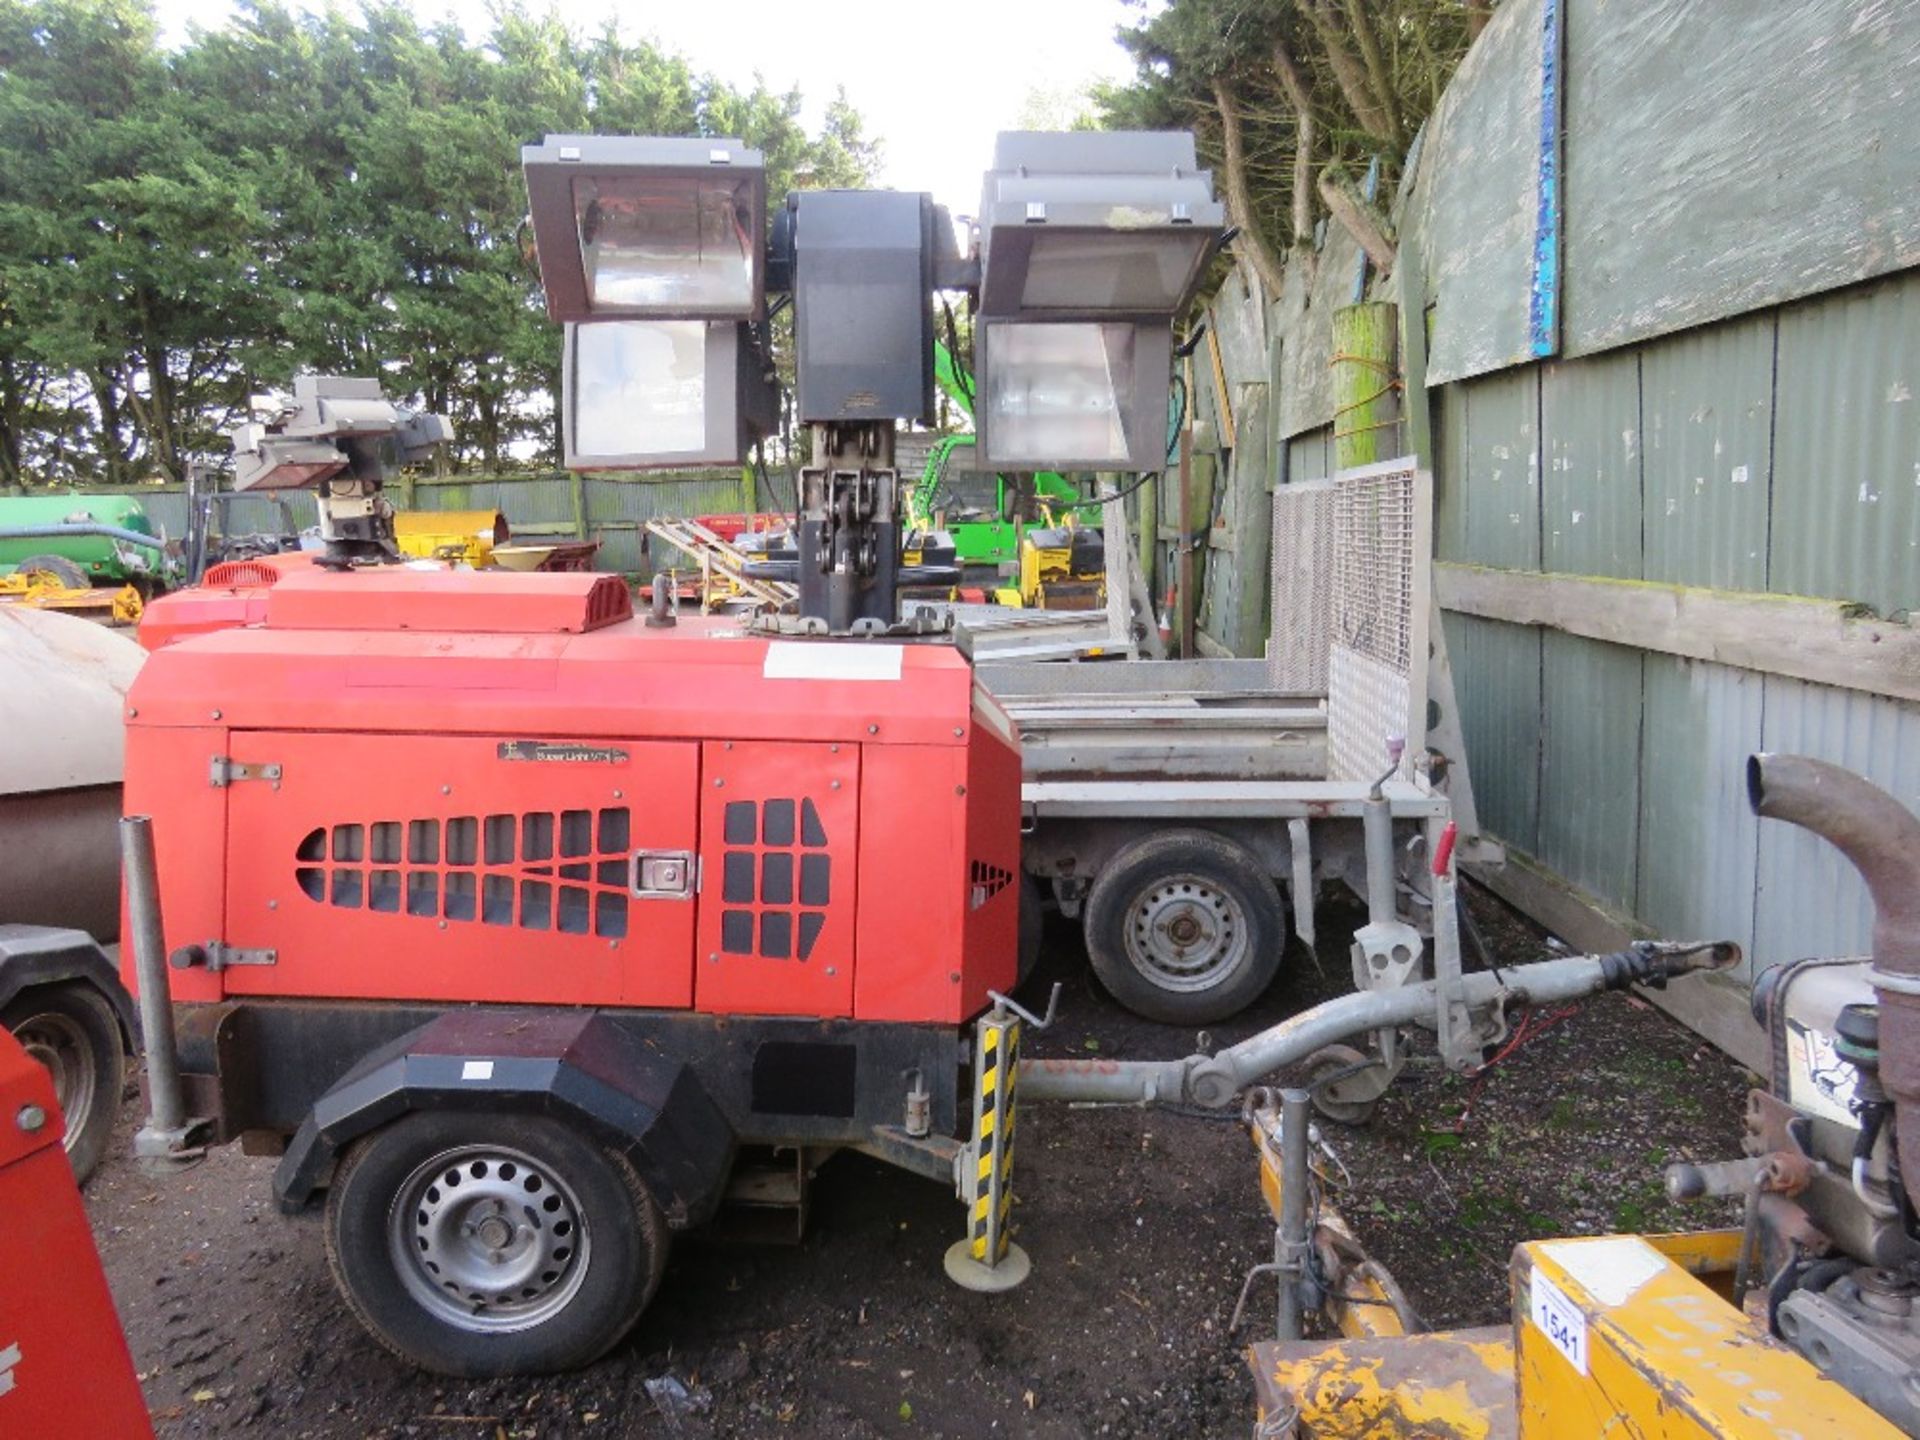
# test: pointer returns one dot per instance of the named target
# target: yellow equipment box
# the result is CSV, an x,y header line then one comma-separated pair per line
x,y
1613,1337
464,535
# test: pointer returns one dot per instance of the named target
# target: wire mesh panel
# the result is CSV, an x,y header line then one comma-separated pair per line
x,y
1303,582
1376,660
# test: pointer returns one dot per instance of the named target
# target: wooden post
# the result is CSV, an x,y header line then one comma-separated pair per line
x,y
1149,528
1118,545
1204,494
1250,496
1185,542
578,486
1366,384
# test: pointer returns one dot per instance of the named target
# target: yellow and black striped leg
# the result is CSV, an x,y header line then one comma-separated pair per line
x,y
987,1259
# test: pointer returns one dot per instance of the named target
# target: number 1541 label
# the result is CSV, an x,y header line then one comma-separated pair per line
x,y
1559,1319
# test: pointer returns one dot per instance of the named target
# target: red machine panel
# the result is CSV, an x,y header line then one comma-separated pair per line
x,y
64,1366
460,868
940,879
778,840
168,779
992,935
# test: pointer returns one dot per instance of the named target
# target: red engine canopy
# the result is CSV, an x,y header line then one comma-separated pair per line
x,y
458,786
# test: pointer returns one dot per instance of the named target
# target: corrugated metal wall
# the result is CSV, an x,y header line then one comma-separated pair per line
x,y
1732,405
1846,448
1776,452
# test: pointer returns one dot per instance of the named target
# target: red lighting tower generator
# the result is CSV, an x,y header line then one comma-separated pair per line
x,y
513,920
519,916
518,924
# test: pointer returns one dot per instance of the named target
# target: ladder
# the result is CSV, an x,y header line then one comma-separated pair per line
x,y
722,567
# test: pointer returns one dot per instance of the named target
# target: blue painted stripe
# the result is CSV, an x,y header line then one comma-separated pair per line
x,y
1543,308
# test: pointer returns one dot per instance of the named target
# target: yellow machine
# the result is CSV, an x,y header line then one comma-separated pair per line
x,y
44,590
468,536
1061,568
1625,1335
1803,1323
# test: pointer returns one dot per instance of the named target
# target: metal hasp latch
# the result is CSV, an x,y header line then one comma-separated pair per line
x,y
662,874
216,955
224,770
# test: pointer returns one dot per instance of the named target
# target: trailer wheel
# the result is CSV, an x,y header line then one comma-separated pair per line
x,y
66,571
1184,927
487,1245
71,1030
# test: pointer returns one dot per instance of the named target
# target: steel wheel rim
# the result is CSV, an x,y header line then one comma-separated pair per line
x,y
61,1046
1186,933
488,1239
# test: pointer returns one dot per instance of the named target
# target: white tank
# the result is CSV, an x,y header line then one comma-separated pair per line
x,y
63,687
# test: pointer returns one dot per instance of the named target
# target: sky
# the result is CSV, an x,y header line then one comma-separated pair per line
x,y
934,82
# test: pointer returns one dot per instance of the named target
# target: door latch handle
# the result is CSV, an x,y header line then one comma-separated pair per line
x,y
662,874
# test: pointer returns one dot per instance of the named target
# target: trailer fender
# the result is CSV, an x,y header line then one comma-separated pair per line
x,y
33,955
572,1065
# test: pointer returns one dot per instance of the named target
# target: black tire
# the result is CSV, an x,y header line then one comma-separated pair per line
x,y
1033,924
66,571
1184,927
71,1029
578,1208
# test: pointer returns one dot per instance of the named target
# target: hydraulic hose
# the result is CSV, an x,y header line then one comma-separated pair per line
x,y
82,529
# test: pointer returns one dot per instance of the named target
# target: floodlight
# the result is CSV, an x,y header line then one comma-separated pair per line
x,y
655,228
1080,395
637,394
1098,224
330,425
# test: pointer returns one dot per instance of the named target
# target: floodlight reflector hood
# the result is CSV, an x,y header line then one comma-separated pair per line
x,y
1086,226
640,394
648,228
1080,395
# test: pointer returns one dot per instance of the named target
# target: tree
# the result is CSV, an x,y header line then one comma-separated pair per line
x,y
127,254
1292,99
165,251
845,156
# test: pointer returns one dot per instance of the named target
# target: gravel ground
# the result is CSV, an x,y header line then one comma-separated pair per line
x,y
1140,1225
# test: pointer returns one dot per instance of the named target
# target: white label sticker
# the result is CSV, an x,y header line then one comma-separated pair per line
x,y
477,1070
1610,1269
830,660
1559,1319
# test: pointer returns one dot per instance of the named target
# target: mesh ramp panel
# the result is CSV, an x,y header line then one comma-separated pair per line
x,y
1376,662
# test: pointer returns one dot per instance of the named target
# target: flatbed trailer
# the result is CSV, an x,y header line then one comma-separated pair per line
x,y
1182,811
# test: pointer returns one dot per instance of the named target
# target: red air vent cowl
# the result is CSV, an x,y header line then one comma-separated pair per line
x,y
470,602
240,575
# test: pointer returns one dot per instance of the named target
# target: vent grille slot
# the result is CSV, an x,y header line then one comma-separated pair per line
x,y
985,881
556,871
774,882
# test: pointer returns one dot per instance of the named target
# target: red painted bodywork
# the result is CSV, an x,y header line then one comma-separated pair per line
x,y
732,527
64,1365
469,764
234,592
